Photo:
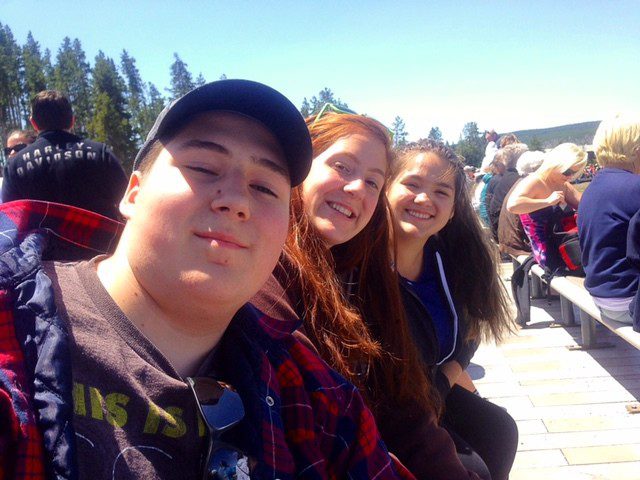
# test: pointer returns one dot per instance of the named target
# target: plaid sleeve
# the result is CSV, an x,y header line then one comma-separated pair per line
x,y
21,451
370,453
66,224
349,436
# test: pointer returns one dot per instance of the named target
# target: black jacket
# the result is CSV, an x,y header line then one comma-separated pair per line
x,y
64,168
423,330
500,190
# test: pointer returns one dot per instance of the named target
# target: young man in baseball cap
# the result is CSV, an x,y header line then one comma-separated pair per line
x,y
149,363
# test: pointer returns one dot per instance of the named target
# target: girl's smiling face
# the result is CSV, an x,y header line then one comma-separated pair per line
x,y
422,197
342,189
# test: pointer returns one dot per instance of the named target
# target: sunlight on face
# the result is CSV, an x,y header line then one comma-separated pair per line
x,y
211,215
342,190
422,198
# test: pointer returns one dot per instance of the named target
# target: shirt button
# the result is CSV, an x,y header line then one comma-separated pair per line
x,y
270,401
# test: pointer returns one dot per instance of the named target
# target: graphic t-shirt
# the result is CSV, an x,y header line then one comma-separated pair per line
x,y
134,416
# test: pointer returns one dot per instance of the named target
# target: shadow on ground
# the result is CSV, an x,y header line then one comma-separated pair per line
x,y
620,359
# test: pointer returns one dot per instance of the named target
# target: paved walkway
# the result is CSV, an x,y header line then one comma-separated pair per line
x,y
570,405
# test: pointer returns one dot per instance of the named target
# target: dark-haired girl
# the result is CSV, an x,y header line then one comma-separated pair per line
x,y
451,290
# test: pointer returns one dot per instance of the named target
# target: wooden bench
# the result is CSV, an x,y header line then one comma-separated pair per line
x,y
572,292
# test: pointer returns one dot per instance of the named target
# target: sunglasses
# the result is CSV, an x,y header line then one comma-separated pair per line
x,y
15,149
221,409
331,108
569,172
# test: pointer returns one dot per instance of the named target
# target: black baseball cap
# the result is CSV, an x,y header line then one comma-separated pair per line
x,y
249,98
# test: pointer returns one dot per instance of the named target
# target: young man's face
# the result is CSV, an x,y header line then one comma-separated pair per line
x,y
207,222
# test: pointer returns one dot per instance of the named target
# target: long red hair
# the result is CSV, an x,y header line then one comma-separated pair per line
x,y
358,326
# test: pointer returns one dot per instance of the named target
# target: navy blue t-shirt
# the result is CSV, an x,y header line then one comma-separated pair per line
x,y
429,290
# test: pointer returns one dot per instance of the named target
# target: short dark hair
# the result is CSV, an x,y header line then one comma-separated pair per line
x,y
51,110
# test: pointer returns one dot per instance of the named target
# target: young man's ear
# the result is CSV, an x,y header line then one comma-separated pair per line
x,y
34,124
73,122
128,202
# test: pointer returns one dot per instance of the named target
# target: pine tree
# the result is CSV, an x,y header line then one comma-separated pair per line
x,y
399,133
471,144
325,96
134,94
110,122
82,104
35,68
12,108
435,134
48,70
72,77
181,79
305,109
155,104
200,81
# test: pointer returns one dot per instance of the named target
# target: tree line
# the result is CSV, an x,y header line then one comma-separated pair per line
x,y
471,144
111,101
113,104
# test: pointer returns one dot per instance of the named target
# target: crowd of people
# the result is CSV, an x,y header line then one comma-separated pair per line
x,y
538,206
267,296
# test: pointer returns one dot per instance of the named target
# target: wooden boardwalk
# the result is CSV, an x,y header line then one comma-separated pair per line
x,y
570,405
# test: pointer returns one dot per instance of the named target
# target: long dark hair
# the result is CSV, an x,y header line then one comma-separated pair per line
x,y
359,327
470,258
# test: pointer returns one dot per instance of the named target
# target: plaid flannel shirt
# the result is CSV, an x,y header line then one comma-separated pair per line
x,y
310,422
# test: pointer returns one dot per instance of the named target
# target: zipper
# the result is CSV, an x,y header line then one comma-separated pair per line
x,y
445,287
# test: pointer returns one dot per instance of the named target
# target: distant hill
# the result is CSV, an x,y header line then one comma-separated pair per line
x,y
578,133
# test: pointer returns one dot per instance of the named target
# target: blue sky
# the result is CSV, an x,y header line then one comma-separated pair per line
x,y
505,65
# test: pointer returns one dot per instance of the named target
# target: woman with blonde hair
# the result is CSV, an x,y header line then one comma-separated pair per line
x,y
607,205
536,196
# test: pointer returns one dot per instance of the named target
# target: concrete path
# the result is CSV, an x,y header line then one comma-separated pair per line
x,y
570,405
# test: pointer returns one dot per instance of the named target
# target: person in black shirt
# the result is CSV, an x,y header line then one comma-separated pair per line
x,y
62,167
503,183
